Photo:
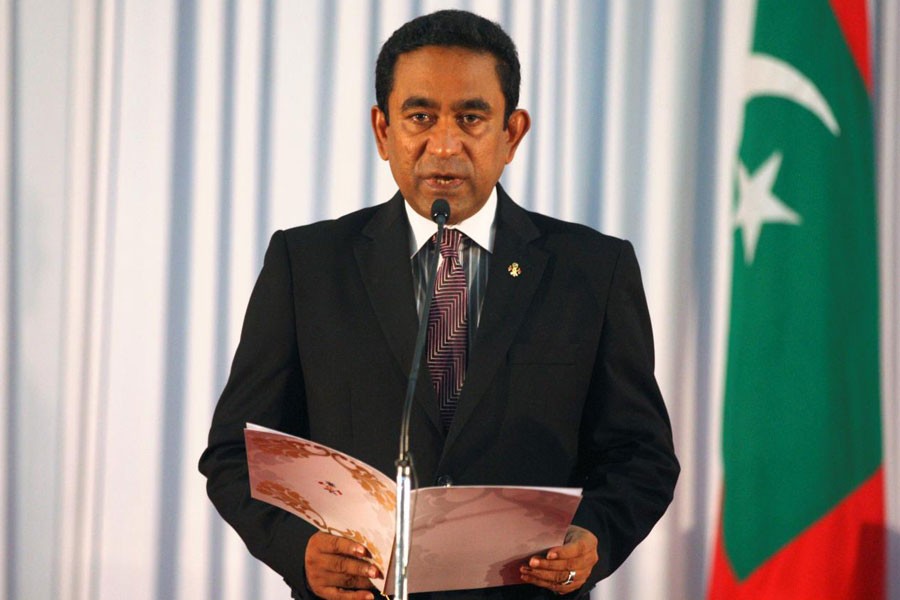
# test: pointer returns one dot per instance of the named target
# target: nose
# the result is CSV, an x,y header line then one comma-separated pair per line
x,y
444,139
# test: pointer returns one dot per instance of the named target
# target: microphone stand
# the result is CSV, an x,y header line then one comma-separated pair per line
x,y
440,212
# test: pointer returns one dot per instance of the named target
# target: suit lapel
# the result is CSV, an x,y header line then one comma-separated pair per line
x,y
506,302
382,255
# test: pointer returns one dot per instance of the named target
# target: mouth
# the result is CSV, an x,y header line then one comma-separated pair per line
x,y
443,180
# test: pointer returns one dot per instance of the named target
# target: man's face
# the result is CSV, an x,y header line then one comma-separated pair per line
x,y
446,137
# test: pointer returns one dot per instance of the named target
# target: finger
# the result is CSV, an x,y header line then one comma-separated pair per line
x,y
546,578
335,566
326,584
345,565
573,556
336,554
551,577
580,562
347,582
554,580
338,545
337,593
569,550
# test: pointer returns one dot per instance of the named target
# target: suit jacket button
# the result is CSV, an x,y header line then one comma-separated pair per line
x,y
444,481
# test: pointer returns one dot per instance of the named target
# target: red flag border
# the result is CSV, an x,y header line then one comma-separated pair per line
x,y
840,556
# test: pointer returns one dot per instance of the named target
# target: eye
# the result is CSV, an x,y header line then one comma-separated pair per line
x,y
420,117
470,119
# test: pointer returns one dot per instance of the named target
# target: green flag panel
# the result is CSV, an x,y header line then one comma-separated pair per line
x,y
801,425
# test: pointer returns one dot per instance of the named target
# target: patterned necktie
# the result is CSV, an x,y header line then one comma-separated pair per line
x,y
448,322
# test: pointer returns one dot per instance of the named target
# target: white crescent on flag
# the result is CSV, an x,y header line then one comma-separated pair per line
x,y
770,76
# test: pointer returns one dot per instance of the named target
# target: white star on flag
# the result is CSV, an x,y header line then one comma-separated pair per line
x,y
757,205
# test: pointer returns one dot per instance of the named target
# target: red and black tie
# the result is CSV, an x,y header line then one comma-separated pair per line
x,y
448,328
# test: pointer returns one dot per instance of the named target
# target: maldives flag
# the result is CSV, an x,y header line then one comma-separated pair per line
x,y
802,509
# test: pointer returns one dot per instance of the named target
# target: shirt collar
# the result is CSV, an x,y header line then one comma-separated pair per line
x,y
479,227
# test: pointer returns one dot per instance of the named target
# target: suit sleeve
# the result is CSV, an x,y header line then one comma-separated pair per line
x,y
626,460
265,387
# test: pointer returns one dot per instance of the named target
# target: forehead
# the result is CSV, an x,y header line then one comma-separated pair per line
x,y
440,72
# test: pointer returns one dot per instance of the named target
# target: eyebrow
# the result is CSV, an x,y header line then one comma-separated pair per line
x,y
418,102
476,104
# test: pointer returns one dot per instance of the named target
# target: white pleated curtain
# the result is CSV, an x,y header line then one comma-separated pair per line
x,y
147,151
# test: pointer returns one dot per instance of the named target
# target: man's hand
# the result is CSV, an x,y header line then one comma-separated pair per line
x,y
336,568
578,554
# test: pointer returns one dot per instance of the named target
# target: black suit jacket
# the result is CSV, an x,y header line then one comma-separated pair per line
x,y
559,390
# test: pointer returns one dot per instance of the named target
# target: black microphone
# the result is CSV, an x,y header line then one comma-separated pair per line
x,y
440,214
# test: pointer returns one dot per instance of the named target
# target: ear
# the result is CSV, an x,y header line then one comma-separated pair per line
x,y
516,127
379,128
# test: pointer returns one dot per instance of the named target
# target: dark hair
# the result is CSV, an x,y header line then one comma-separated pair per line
x,y
450,28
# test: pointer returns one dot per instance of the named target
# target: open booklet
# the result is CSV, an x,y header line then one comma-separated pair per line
x,y
463,537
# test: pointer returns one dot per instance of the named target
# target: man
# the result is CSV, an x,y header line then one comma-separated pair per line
x,y
557,359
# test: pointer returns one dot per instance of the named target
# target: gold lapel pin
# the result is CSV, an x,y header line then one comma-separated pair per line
x,y
514,269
